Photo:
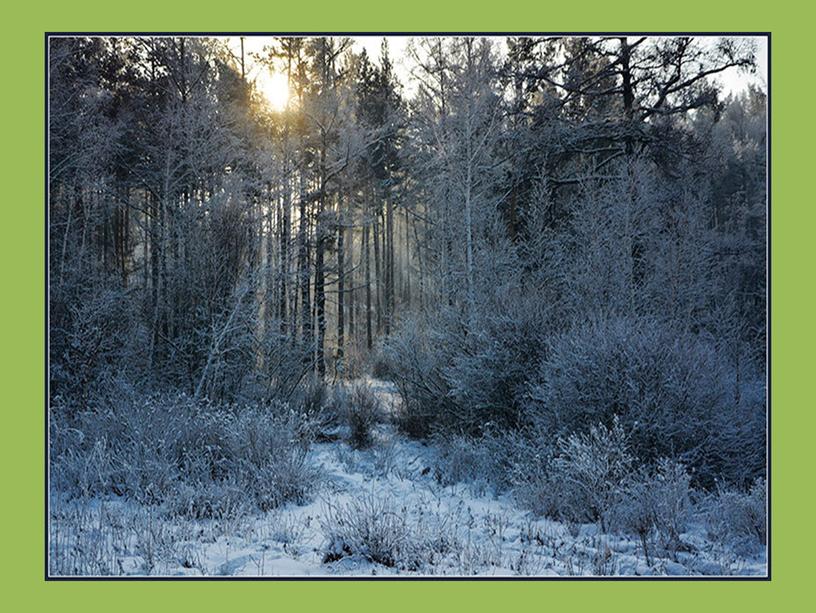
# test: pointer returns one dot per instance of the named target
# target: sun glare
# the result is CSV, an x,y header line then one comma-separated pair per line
x,y
274,88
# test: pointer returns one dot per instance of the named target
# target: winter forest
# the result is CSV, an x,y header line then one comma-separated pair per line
x,y
460,306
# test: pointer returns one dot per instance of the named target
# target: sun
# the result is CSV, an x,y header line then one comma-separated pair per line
x,y
274,88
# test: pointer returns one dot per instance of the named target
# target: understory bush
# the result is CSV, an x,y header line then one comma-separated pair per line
x,y
380,365
379,531
492,461
199,460
465,375
583,477
593,477
615,420
739,518
317,404
654,504
417,354
92,334
360,408
486,376
668,389
737,454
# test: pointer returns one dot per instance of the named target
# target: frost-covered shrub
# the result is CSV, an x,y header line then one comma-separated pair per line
x,y
582,480
487,375
654,504
591,466
267,455
381,367
417,354
129,446
95,333
311,397
278,376
168,449
670,498
739,518
534,488
211,499
492,460
738,450
361,410
321,407
466,374
374,529
465,460
668,388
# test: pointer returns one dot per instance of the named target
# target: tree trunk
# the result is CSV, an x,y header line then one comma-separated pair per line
x,y
284,253
304,275
389,260
350,301
341,289
367,260
377,270
407,265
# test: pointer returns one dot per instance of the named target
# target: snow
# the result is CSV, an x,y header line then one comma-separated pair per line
x,y
486,534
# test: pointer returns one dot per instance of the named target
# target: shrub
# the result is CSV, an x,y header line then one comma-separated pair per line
x,y
667,388
267,450
534,489
380,365
197,459
528,465
361,409
319,410
670,499
465,375
738,451
487,374
211,499
373,529
94,335
465,460
591,466
654,503
417,354
581,481
489,460
738,518
311,397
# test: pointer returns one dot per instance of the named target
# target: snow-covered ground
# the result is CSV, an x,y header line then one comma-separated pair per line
x,y
437,530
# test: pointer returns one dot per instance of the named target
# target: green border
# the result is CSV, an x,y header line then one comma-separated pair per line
x,y
22,336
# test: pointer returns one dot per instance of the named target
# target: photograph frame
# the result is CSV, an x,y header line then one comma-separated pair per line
x,y
788,363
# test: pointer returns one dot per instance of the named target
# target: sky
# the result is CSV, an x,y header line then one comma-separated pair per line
x,y
733,81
